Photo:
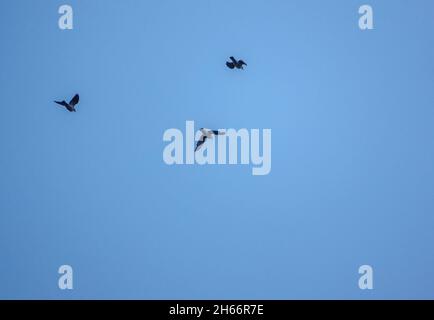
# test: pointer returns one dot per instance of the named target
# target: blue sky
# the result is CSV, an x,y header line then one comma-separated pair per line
x,y
352,178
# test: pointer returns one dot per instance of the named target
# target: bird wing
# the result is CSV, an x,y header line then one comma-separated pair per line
x,y
200,143
230,65
74,100
62,103
241,62
234,61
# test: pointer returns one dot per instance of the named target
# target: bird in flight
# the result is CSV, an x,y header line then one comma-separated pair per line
x,y
71,105
206,134
235,63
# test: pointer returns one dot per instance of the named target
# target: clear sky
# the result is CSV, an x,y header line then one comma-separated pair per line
x,y
352,179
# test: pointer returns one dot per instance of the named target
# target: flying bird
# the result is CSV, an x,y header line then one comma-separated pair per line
x,y
71,105
235,63
206,134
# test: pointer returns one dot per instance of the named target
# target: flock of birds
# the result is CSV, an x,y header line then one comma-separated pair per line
x,y
206,133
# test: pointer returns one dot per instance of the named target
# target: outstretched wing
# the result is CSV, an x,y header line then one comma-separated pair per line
x,y
200,143
234,61
230,65
241,62
62,103
74,100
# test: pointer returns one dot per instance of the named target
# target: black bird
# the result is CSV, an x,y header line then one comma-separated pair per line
x,y
235,64
206,134
71,105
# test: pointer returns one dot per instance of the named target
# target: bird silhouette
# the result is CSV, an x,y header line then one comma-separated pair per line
x,y
206,134
239,64
71,105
